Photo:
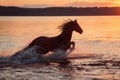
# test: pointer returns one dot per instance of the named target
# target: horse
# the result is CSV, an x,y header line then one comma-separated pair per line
x,y
61,41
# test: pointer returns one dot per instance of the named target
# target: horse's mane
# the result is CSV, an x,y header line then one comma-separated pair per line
x,y
63,26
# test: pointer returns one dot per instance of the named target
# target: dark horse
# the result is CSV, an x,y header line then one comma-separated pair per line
x,y
62,41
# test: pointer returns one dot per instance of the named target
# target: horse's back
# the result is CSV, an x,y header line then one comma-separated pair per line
x,y
39,41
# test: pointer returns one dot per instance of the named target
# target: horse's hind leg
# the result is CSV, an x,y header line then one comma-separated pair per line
x,y
65,62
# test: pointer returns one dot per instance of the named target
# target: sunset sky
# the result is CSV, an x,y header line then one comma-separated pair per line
x,y
49,3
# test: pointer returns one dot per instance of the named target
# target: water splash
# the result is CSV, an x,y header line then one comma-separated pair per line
x,y
31,55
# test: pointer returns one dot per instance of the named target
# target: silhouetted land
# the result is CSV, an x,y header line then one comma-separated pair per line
x,y
58,11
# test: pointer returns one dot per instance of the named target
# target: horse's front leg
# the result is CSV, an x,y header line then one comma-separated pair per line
x,y
72,47
72,44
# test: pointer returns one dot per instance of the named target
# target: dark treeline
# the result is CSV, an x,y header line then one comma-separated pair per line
x,y
58,11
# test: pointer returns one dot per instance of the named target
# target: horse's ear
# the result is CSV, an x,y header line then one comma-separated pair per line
x,y
69,19
75,20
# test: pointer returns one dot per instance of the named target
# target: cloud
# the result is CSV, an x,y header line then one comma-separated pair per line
x,y
99,3
38,5
91,4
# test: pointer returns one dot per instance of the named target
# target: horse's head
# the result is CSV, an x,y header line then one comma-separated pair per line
x,y
76,27
71,26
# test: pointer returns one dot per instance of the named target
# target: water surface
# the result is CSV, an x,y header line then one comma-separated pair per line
x,y
101,33
101,37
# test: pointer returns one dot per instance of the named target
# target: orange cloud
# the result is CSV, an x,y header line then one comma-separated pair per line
x,y
92,4
46,3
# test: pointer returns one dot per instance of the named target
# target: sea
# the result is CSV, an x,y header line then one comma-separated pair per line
x,y
100,37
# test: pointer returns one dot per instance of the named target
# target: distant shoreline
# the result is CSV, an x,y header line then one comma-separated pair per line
x,y
60,11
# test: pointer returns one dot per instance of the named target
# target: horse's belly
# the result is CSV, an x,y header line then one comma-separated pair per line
x,y
45,44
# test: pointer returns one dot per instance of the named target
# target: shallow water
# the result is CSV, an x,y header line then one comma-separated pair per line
x,y
101,38
101,33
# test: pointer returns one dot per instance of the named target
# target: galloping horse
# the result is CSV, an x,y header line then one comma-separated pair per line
x,y
62,41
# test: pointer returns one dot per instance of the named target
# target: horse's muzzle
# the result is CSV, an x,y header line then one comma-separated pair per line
x,y
81,32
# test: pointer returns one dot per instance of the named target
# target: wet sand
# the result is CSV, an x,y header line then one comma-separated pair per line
x,y
87,69
98,70
33,71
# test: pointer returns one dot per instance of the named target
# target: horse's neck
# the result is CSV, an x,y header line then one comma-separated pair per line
x,y
66,35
